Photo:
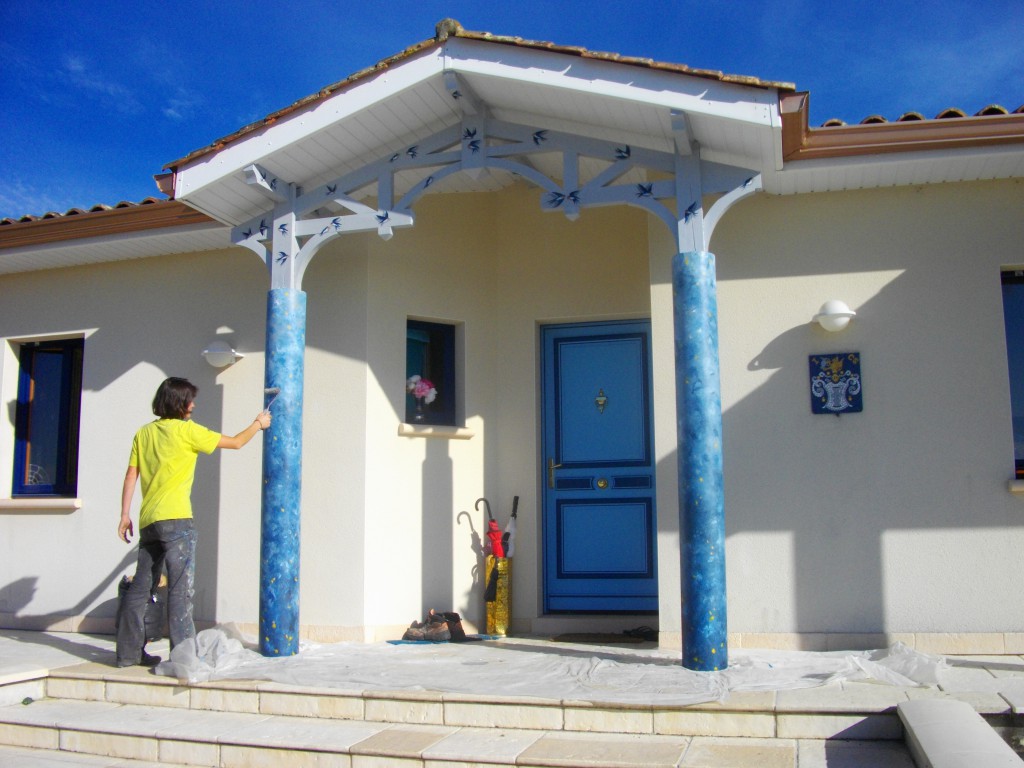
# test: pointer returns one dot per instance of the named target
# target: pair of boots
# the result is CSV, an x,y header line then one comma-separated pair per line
x,y
439,627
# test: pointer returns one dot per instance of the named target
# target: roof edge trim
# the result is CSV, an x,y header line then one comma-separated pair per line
x,y
118,221
801,142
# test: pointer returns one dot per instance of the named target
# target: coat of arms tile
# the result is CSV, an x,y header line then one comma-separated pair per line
x,y
836,385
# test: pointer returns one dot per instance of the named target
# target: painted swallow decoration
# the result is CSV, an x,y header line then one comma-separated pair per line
x,y
282,228
383,217
394,157
690,212
747,182
282,257
331,189
623,153
428,181
412,151
469,135
555,199
456,94
336,222
645,190
539,137
263,228
247,234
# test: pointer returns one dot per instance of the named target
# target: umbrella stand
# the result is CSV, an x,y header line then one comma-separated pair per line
x,y
498,576
498,571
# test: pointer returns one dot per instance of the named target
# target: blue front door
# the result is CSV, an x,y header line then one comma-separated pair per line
x,y
599,521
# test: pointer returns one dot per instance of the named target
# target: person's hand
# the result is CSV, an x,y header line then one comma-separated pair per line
x,y
264,419
125,530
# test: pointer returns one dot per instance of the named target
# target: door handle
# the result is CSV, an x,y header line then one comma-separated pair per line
x,y
551,472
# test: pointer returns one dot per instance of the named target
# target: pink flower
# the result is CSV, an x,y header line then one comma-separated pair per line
x,y
421,389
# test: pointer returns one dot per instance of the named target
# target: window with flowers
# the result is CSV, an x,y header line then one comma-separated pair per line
x,y
430,385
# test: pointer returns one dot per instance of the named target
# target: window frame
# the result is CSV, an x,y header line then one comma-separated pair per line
x,y
439,367
65,482
1014,353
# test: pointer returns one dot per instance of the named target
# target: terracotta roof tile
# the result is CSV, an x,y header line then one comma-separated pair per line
x,y
949,113
98,208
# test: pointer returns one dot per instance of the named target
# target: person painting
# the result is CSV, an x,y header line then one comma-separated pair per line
x,y
163,457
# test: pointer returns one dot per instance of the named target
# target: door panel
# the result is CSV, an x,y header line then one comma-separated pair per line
x,y
599,510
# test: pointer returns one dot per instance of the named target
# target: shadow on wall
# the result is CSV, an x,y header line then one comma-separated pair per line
x,y
17,595
437,535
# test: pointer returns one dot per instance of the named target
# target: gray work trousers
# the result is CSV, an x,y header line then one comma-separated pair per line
x,y
166,542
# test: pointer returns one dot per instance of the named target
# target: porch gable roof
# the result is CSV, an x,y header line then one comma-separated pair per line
x,y
735,120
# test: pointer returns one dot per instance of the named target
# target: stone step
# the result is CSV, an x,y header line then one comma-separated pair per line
x,y
844,711
65,730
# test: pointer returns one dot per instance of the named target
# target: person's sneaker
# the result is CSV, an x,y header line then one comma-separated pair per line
x,y
437,628
146,660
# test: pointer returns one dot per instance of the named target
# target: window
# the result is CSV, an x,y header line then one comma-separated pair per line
x,y
1013,314
430,373
47,417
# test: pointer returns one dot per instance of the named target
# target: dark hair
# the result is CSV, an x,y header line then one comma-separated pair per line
x,y
173,397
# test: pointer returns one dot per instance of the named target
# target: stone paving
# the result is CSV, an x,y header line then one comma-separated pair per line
x,y
840,725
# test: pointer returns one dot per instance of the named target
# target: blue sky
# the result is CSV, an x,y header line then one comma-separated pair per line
x,y
99,95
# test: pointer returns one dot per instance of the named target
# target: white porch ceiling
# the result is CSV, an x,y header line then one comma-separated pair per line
x,y
386,112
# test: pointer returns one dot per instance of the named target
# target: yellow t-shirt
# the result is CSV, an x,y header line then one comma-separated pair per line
x,y
165,453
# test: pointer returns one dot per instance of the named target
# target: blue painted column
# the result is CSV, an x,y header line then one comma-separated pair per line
x,y
282,475
701,489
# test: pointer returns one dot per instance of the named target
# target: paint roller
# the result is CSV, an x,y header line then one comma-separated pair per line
x,y
275,391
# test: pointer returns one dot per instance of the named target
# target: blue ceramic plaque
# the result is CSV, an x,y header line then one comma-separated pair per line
x,y
836,385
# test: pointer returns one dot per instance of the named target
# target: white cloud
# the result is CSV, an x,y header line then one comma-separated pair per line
x,y
79,73
182,105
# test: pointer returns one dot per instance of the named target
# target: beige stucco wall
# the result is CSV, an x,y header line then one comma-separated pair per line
x,y
896,520
496,266
143,320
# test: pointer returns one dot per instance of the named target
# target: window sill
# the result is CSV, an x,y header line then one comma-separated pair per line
x,y
49,504
1017,486
447,433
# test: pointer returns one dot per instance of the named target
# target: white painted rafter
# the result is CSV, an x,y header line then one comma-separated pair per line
x,y
297,228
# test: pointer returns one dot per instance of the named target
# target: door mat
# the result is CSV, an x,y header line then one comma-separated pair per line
x,y
596,638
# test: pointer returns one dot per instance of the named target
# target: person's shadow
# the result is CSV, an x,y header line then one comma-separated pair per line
x,y
19,593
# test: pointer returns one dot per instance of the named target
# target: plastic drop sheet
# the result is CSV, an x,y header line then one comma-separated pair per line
x,y
543,669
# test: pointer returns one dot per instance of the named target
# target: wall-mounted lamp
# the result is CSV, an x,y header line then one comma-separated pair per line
x,y
221,354
834,315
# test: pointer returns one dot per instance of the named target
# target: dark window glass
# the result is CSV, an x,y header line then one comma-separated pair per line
x,y
430,356
1013,314
47,418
